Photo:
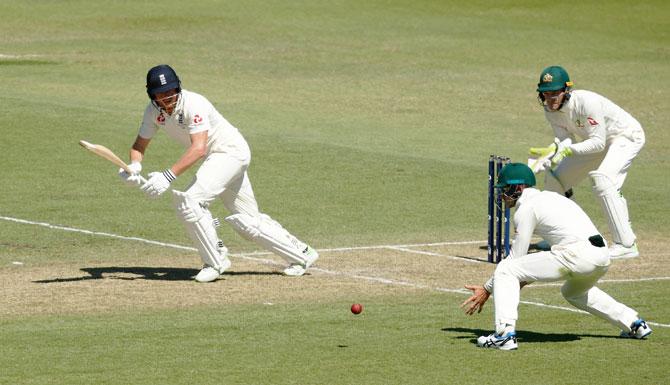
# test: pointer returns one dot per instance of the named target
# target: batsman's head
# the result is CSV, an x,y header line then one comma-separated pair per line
x,y
163,87
512,179
554,87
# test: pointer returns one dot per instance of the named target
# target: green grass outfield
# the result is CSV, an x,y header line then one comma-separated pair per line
x,y
370,124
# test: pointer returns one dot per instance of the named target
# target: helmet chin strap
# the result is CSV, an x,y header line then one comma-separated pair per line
x,y
513,191
566,97
173,105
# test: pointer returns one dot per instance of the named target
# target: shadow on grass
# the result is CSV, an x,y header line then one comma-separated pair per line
x,y
471,258
147,273
526,336
531,247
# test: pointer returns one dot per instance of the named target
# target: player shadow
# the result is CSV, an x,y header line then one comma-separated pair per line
x,y
526,336
531,247
145,273
471,258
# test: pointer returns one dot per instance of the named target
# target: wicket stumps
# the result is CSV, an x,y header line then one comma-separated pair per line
x,y
498,218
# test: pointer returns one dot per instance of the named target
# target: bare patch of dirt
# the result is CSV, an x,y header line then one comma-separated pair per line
x,y
167,282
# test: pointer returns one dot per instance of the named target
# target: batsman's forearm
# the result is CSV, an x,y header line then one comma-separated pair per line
x,y
136,156
190,157
138,149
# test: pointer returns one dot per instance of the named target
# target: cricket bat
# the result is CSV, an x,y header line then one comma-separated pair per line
x,y
106,153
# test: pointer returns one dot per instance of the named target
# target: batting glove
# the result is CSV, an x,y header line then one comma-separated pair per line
x,y
134,178
158,183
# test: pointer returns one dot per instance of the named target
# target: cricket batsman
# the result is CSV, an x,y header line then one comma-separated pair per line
x,y
593,137
190,119
578,256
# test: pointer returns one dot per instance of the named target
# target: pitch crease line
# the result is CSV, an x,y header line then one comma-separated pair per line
x,y
250,256
407,250
158,243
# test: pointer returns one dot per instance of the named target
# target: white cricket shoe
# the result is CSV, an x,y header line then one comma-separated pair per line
x,y
506,341
296,269
638,330
209,273
619,251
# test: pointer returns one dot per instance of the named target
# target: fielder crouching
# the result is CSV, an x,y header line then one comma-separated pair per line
x,y
190,119
579,256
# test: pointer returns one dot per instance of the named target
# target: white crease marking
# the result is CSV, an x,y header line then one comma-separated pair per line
x,y
386,281
463,259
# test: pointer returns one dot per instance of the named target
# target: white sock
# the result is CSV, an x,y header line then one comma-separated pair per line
x,y
502,329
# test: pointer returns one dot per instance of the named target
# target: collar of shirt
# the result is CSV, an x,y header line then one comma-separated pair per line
x,y
526,194
179,108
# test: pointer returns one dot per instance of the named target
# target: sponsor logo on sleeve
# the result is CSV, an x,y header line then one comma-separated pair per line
x,y
160,119
592,121
197,119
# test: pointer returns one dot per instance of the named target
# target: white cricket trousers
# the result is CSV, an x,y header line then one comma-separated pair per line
x,y
613,162
580,265
225,176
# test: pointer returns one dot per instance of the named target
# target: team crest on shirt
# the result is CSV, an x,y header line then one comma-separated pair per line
x,y
197,119
592,121
579,123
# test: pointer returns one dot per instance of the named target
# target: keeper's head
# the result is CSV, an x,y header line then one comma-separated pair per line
x,y
513,179
554,88
163,87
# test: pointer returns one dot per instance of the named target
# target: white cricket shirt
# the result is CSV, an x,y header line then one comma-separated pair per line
x,y
193,114
549,215
591,121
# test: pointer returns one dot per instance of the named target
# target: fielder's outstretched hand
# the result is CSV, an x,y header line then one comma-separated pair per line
x,y
476,301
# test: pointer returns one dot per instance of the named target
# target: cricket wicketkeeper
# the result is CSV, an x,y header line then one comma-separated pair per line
x,y
190,119
578,256
593,137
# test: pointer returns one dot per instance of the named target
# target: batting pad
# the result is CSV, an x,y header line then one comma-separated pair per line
x,y
615,207
270,235
200,227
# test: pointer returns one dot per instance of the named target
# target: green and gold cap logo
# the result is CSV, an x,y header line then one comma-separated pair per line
x,y
553,78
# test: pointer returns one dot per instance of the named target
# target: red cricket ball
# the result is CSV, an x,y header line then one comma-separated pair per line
x,y
356,308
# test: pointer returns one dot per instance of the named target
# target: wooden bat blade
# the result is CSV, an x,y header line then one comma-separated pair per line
x,y
86,145
106,153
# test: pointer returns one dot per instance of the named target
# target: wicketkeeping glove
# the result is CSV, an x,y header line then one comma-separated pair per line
x,y
133,179
158,183
560,154
555,151
541,152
